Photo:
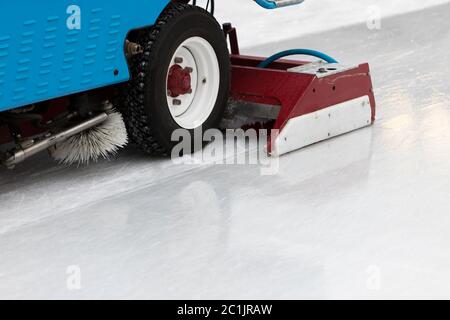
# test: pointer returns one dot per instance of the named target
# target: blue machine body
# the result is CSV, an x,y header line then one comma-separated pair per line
x,y
54,48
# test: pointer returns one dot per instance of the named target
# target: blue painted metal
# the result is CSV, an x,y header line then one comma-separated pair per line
x,y
266,4
43,54
274,4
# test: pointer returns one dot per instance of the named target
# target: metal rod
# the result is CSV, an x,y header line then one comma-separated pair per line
x,y
22,154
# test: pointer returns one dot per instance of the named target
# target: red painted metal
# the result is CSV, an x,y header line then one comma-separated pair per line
x,y
297,93
52,109
179,81
5,135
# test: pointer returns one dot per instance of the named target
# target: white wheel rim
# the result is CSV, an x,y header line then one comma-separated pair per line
x,y
191,110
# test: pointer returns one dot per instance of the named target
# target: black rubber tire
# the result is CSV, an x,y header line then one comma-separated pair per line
x,y
149,122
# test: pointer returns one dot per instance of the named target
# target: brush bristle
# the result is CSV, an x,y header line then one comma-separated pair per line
x,y
93,144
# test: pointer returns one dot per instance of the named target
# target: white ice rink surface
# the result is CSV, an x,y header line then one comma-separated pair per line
x,y
365,215
260,26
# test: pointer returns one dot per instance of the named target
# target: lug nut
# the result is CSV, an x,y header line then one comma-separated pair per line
x,y
189,69
178,60
176,102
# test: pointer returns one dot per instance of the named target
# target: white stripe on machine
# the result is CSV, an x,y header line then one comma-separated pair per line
x,y
324,124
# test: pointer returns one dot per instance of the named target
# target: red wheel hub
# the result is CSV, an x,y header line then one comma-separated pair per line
x,y
179,81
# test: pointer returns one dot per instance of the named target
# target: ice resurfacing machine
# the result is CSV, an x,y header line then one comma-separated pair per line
x,y
82,78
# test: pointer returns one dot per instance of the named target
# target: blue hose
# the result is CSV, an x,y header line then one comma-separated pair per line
x,y
292,52
266,4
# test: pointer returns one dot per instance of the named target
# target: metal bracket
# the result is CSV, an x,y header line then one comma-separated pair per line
x,y
321,69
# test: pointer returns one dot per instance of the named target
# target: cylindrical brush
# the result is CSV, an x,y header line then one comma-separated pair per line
x,y
93,144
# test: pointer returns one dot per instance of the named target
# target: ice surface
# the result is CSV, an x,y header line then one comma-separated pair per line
x,y
260,26
365,215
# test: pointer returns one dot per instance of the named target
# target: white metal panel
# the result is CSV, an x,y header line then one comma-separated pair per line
x,y
324,124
